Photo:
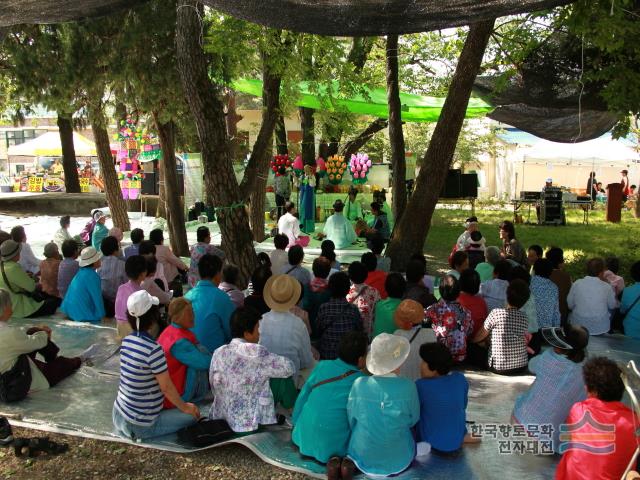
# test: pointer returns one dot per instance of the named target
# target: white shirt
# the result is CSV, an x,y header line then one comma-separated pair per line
x,y
290,226
28,261
411,367
591,301
279,259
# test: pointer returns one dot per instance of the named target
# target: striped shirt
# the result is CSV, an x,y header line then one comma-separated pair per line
x,y
139,397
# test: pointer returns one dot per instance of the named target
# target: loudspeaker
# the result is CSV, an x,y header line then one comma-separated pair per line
x,y
149,184
451,187
469,185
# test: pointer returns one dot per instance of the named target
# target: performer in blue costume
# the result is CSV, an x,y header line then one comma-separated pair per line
x,y
307,186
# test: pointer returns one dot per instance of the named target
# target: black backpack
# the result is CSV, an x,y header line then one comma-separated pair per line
x,y
206,432
15,384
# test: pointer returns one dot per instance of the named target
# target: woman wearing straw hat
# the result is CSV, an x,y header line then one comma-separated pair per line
x,y
381,411
283,333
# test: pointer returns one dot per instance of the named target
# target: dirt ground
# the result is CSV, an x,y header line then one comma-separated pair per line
x,y
94,459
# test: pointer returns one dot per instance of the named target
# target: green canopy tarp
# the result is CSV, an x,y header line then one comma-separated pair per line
x,y
415,108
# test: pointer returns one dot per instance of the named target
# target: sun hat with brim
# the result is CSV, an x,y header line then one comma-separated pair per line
x,y
140,302
89,256
388,353
9,249
556,337
282,292
408,313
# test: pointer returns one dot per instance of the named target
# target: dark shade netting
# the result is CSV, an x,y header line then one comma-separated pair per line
x,y
324,17
546,97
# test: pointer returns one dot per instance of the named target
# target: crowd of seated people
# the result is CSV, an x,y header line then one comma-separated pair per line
x,y
323,345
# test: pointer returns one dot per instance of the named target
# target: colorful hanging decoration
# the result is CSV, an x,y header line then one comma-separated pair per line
x,y
336,168
298,166
359,166
135,146
280,161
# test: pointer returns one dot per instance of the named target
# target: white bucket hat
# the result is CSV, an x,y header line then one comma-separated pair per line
x,y
388,353
88,256
140,302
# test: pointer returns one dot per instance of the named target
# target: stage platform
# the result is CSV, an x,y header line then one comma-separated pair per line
x,y
343,255
53,203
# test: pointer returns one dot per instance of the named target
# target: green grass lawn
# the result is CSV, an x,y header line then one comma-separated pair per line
x,y
578,241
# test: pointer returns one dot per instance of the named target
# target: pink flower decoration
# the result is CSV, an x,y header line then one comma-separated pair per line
x,y
297,163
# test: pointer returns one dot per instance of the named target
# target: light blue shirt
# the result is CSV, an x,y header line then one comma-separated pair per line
x,y
546,296
83,300
212,308
494,292
100,232
340,231
285,334
381,412
632,319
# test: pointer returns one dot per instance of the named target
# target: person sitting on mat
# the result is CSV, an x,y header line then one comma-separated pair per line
x,y
317,292
353,208
173,267
507,327
494,291
321,429
49,268
137,236
382,409
83,301
198,250
136,269
558,384
416,288
229,284
240,373
145,381
278,257
383,321
362,296
100,231
28,261
443,403
338,229
377,247
15,342
21,286
294,268
112,272
603,408
188,361
409,317
375,277
255,299
68,267
289,224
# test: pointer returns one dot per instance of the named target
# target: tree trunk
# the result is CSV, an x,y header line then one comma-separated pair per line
x,y
117,205
411,232
257,201
308,136
161,209
208,113
174,203
396,137
361,140
282,143
69,163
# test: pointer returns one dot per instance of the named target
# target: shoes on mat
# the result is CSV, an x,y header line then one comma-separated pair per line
x,y
6,433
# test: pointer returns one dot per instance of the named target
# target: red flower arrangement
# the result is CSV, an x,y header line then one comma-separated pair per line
x,y
280,161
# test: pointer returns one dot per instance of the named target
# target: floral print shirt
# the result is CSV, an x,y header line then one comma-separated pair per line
x,y
239,377
365,298
452,324
197,252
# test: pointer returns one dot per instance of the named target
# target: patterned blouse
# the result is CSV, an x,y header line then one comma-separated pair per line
x,y
239,377
452,324
507,327
545,294
197,252
365,298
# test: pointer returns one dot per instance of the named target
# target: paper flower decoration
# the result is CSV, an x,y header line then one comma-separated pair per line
x,y
298,166
359,166
280,161
321,167
336,166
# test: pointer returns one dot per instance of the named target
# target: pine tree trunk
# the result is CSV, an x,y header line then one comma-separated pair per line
x,y
308,136
361,140
396,136
208,113
411,232
117,205
257,201
174,202
161,208
69,162
282,143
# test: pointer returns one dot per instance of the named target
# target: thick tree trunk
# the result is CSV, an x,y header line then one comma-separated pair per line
x,y
69,163
361,140
208,112
257,201
174,202
411,232
282,143
307,125
232,118
117,205
396,137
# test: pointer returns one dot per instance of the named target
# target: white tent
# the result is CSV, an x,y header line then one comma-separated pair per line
x,y
600,152
48,145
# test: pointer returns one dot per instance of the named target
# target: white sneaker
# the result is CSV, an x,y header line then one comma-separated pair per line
x,y
89,353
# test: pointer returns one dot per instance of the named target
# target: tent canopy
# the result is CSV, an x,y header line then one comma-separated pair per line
x,y
415,108
48,145
601,151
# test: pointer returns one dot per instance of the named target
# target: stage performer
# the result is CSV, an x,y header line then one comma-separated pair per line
x,y
353,209
380,197
307,185
282,189
338,229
